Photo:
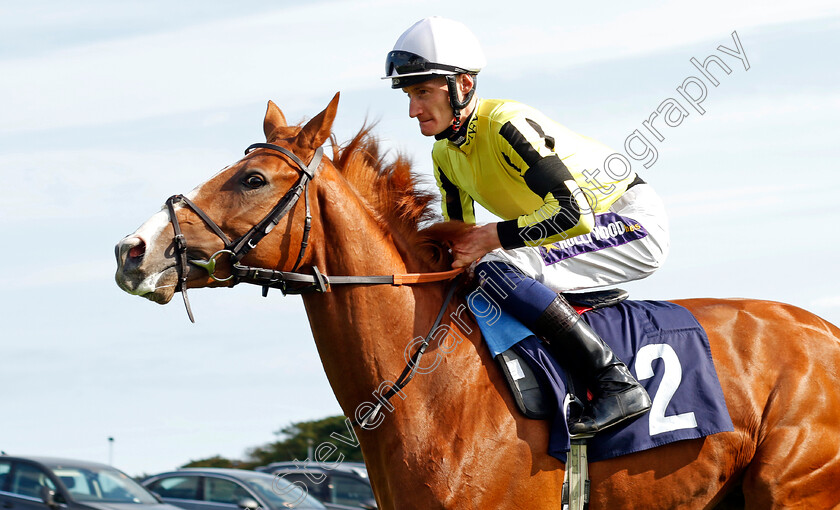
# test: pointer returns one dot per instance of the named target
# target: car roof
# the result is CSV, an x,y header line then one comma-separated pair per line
x,y
235,473
59,461
357,468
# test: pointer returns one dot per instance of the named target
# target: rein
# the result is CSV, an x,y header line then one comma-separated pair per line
x,y
411,367
289,282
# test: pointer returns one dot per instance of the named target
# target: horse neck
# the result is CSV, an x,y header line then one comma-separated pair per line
x,y
361,331
364,335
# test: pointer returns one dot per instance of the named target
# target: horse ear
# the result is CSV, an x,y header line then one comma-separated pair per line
x,y
317,130
274,119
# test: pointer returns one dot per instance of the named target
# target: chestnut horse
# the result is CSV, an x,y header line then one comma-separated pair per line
x,y
454,438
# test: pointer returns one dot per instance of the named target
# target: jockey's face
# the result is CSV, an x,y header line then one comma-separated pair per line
x,y
429,104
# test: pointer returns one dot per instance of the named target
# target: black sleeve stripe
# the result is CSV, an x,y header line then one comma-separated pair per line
x,y
452,198
567,217
549,175
549,140
509,235
520,144
512,236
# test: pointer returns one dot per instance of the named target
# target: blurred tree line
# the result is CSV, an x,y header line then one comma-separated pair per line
x,y
294,442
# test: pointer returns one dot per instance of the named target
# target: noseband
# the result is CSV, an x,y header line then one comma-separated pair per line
x,y
240,247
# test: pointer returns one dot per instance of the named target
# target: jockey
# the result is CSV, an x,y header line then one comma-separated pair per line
x,y
574,214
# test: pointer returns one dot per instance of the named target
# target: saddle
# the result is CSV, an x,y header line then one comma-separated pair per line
x,y
523,382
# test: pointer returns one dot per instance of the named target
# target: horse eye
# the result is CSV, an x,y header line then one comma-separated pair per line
x,y
254,181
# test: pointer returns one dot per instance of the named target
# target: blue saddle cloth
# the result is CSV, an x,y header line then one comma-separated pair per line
x,y
665,348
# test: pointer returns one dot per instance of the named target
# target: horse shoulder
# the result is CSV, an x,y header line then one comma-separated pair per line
x,y
464,436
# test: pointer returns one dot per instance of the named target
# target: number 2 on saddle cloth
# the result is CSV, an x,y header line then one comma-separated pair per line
x,y
663,345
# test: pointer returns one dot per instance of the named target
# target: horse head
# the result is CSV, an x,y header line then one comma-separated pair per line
x,y
195,238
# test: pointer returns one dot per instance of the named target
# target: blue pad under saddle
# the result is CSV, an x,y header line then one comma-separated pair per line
x,y
665,348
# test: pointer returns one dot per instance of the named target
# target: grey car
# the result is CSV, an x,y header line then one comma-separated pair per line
x,y
228,489
43,483
340,486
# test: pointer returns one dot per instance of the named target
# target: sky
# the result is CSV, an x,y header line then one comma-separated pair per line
x,y
107,108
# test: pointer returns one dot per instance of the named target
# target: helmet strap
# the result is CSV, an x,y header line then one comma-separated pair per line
x,y
457,106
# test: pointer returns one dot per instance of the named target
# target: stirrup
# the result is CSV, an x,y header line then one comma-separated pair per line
x,y
588,424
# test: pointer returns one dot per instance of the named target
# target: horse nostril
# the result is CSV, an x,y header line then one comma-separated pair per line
x,y
137,252
130,250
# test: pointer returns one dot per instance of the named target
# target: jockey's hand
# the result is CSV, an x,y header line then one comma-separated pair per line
x,y
475,244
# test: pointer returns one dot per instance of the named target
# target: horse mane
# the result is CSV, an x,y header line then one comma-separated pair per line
x,y
396,195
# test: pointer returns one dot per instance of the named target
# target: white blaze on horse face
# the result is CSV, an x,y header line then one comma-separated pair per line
x,y
150,233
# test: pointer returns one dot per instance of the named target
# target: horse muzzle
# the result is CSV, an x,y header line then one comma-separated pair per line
x,y
140,274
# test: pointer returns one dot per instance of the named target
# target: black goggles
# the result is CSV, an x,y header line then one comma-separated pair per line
x,y
404,62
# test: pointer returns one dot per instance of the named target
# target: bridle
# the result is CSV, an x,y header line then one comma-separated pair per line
x,y
240,247
289,282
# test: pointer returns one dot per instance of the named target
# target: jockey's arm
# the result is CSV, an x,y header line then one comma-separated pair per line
x,y
564,212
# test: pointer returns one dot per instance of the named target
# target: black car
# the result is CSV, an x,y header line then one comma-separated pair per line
x,y
344,486
228,489
42,483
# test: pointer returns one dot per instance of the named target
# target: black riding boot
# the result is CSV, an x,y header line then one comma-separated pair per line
x,y
618,396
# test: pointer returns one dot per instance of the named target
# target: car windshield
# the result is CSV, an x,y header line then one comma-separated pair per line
x,y
281,494
102,484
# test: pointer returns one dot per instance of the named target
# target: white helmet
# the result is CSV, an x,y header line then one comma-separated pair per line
x,y
433,46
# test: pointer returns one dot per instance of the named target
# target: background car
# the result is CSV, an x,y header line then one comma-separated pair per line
x,y
42,483
344,487
228,489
